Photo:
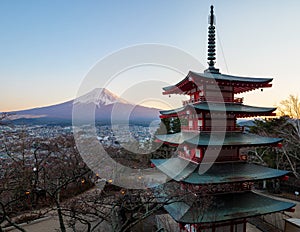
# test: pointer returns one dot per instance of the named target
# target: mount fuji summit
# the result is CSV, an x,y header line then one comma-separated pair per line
x,y
106,105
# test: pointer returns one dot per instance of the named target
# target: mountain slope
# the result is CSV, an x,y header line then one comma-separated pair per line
x,y
102,100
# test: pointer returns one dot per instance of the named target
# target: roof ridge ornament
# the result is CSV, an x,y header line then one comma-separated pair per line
x,y
211,43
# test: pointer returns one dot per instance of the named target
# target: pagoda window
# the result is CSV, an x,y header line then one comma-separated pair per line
x,y
187,227
193,229
187,152
190,123
200,122
198,153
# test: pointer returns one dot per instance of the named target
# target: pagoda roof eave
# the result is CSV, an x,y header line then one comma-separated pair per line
x,y
230,172
221,107
231,78
226,207
240,84
234,139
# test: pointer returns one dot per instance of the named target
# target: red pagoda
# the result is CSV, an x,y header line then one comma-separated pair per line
x,y
208,161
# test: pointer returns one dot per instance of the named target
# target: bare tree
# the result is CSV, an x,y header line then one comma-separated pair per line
x,y
285,157
66,176
120,209
115,208
291,108
39,173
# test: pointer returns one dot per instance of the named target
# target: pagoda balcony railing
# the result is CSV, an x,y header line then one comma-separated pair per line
x,y
214,99
221,128
188,128
214,128
200,99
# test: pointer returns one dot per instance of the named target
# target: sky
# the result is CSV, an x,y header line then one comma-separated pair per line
x,y
48,47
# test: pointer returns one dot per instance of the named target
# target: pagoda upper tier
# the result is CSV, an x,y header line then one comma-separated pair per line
x,y
239,110
198,82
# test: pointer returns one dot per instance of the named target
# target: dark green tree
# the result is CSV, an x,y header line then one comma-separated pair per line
x,y
169,126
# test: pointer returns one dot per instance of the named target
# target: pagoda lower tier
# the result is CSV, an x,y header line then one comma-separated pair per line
x,y
220,197
226,139
187,172
222,207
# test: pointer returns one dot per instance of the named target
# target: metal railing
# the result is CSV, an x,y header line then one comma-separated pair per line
x,y
214,128
200,99
214,99
221,128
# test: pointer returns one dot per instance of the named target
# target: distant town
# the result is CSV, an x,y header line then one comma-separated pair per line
x,y
106,135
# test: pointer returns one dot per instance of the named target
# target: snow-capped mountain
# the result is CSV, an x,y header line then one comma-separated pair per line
x,y
100,96
102,100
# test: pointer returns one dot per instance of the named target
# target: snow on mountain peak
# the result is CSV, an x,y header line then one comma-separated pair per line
x,y
100,96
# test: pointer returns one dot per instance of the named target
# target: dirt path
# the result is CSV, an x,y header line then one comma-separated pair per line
x,y
48,224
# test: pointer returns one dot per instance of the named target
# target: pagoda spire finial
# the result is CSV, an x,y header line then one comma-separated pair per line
x,y
211,43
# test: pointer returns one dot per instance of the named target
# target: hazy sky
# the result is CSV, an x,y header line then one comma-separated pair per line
x,y
47,47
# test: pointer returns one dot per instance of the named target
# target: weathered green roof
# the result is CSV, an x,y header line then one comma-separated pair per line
x,y
173,111
225,207
176,168
218,139
220,107
182,170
